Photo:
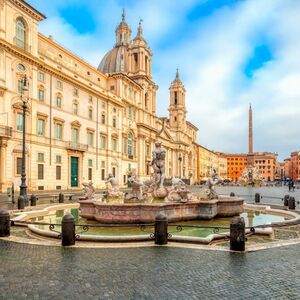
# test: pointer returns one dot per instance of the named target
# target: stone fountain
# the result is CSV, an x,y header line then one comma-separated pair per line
x,y
149,198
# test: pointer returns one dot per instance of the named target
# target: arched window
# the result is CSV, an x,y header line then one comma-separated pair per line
x,y
103,118
129,143
20,33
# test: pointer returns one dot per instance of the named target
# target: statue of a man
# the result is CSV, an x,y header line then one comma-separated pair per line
x,y
158,164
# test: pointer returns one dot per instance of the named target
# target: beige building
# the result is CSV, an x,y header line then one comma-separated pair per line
x,y
222,166
83,123
207,161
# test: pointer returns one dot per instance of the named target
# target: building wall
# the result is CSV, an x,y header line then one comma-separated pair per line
x,y
236,163
116,131
295,165
287,167
266,164
207,160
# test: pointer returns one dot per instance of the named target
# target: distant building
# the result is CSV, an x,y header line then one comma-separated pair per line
x,y
236,163
206,161
295,165
287,168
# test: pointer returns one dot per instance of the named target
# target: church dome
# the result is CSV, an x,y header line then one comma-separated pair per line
x,y
115,61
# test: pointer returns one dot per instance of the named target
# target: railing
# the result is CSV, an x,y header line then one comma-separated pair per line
x,y
5,131
77,146
22,45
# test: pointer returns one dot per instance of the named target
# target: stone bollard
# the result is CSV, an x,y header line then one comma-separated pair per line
x,y
161,229
232,194
21,202
257,198
61,198
33,199
292,203
237,234
286,200
4,223
68,230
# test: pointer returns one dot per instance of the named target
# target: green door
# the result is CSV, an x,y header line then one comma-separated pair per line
x,y
74,171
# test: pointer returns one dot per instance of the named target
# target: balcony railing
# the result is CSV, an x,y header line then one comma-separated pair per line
x,y
5,131
77,146
21,44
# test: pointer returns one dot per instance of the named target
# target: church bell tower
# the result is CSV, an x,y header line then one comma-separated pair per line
x,y
177,109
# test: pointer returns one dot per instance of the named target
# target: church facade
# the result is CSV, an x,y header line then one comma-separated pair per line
x,y
83,123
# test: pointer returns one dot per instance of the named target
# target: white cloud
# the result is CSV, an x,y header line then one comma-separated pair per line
x,y
210,54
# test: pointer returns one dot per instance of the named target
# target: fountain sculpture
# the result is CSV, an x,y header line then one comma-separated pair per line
x,y
149,198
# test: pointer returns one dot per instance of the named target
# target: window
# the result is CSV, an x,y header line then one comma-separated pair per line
x,y
90,174
90,114
102,142
40,171
41,157
75,92
18,166
58,159
58,101
90,162
19,122
103,119
102,170
20,86
130,112
90,138
41,95
58,131
58,172
75,135
148,150
129,144
114,145
103,104
75,108
41,76
175,98
20,34
41,127
59,84
21,68
114,122
90,99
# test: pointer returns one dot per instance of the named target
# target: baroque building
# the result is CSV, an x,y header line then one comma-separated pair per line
x,y
83,123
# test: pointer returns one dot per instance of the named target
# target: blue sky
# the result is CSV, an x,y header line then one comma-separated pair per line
x,y
229,53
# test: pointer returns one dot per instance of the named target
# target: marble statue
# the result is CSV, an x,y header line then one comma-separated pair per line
x,y
212,181
89,191
179,193
158,164
251,176
137,189
177,181
112,187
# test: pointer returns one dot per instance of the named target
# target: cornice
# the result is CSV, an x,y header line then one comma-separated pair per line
x,y
28,9
51,70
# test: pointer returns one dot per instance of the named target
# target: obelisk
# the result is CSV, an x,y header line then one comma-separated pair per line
x,y
250,156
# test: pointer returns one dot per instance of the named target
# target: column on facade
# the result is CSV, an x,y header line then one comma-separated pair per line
x,y
3,158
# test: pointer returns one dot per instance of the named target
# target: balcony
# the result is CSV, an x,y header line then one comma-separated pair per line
x,y
22,45
77,146
5,131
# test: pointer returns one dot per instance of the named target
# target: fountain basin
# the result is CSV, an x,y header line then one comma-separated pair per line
x,y
175,211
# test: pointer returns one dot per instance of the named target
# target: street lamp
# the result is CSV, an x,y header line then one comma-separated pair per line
x,y
23,186
180,160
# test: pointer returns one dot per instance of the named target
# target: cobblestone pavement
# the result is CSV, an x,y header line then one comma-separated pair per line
x,y
41,272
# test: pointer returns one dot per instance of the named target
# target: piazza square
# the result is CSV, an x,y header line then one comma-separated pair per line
x,y
148,152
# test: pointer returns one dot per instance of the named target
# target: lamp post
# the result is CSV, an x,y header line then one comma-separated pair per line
x,y
23,186
180,160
